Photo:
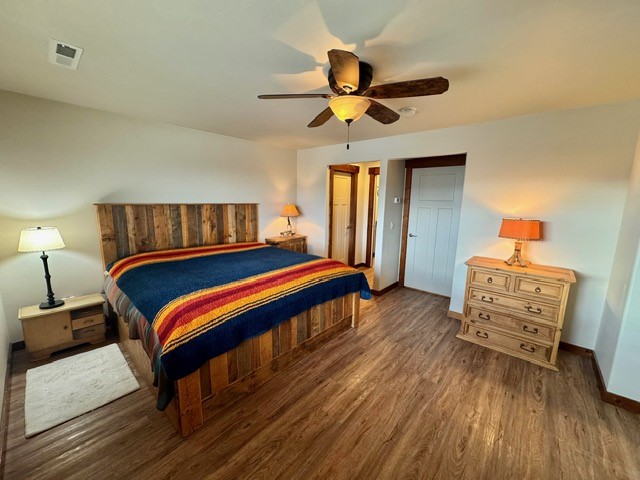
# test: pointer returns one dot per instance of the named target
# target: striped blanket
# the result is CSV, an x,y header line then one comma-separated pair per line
x,y
204,301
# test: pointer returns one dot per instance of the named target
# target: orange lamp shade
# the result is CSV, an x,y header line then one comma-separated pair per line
x,y
520,229
289,210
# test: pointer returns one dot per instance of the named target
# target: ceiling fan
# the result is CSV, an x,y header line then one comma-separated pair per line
x,y
350,80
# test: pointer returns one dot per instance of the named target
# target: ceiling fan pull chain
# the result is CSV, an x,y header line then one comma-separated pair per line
x,y
348,121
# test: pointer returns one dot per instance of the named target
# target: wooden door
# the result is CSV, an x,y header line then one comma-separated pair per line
x,y
341,212
434,217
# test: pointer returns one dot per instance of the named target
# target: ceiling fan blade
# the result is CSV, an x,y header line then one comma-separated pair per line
x,y
346,69
383,114
410,88
322,118
296,95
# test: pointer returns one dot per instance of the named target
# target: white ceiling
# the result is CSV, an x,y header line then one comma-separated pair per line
x,y
201,64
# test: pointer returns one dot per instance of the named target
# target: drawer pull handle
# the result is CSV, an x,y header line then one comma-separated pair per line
x,y
482,334
538,289
487,299
526,329
527,349
484,317
489,280
536,310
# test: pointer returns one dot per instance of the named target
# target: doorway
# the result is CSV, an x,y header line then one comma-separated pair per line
x,y
372,215
433,195
343,193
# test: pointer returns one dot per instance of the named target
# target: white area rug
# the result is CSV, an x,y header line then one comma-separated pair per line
x,y
67,388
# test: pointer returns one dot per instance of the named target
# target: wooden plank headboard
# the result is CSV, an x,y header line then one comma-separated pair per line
x,y
126,229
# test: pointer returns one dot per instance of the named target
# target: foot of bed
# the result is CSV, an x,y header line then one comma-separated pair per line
x,y
189,399
355,317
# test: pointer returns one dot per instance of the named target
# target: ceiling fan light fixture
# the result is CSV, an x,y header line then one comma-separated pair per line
x,y
349,107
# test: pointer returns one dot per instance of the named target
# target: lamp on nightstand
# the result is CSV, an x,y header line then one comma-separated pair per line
x,y
39,239
289,210
520,230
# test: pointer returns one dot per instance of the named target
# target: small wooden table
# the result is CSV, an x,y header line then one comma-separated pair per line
x,y
79,320
295,242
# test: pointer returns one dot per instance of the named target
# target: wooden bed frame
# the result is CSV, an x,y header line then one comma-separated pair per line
x,y
126,229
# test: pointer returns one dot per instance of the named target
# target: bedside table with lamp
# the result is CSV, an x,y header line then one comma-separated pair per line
x,y
288,239
57,324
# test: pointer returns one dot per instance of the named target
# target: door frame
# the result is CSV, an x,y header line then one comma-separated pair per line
x,y
373,173
455,160
353,171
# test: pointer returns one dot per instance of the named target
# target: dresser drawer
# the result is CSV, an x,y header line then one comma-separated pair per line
x,y
502,341
490,279
520,306
83,322
538,288
535,331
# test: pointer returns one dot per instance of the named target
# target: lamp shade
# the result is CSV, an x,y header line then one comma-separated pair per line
x,y
520,229
349,107
289,210
39,239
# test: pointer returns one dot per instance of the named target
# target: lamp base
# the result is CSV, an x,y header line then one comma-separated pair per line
x,y
56,303
517,256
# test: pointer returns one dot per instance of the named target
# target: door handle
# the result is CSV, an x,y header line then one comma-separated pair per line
x,y
412,235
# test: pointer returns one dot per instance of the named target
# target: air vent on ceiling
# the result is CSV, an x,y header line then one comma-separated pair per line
x,y
64,54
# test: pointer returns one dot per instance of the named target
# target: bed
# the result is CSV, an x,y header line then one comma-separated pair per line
x,y
166,239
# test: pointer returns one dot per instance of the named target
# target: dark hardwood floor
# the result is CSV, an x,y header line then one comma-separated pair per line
x,y
400,397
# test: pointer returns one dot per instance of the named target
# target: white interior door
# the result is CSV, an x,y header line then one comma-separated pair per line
x,y
341,205
434,217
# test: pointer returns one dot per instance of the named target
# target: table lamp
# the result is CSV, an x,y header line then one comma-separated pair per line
x,y
520,230
289,210
39,239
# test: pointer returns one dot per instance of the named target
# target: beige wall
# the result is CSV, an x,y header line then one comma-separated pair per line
x,y
568,168
56,160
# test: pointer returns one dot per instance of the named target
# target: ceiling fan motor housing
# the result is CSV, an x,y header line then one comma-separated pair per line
x,y
366,75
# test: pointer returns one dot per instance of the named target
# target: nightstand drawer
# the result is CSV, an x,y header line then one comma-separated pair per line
x,y
525,328
536,288
490,279
84,322
516,305
89,332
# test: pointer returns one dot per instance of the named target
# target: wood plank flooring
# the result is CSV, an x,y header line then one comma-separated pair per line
x,y
400,397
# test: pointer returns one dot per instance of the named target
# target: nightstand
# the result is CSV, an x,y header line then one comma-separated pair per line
x,y
295,243
79,320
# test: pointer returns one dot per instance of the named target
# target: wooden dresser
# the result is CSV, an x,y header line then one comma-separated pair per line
x,y
296,243
516,310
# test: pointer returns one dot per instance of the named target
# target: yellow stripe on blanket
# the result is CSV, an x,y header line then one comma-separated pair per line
x,y
224,304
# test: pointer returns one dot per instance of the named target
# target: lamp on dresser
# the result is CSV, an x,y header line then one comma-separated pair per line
x,y
520,230
289,210
40,239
